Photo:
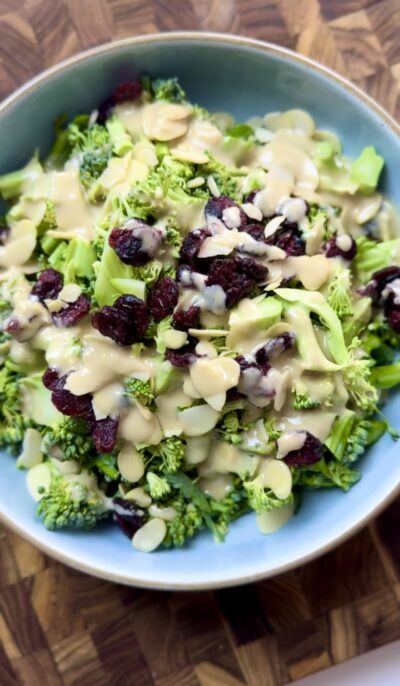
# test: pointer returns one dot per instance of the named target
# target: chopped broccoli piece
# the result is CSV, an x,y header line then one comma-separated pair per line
x,y
339,293
240,131
171,451
168,89
73,500
366,170
49,221
261,498
373,256
158,486
325,474
350,435
139,390
72,437
303,402
106,464
12,421
120,138
13,183
356,376
162,326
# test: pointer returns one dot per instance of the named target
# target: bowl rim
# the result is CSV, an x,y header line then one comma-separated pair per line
x,y
272,49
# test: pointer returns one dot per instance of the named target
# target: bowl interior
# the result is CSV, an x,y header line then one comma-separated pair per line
x,y
246,80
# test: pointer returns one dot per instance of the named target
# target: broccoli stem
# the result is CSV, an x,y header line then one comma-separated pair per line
x,y
120,139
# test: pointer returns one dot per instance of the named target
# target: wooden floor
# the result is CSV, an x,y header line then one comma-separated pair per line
x,y
59,627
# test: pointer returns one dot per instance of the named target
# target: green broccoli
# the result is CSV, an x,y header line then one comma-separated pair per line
x,y
139,390
356,376
13,183
162,326
301,401
168,89
72,500
339,293
261,498
93,147
12,421
158,486
120,138
72,437
373,256
351,435
325,474
187,522
171,451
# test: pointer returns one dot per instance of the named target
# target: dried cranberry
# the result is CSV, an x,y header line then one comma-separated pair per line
x,y
72,405
233,394
129,90
233,275
183,357
127,516
104,434
191,245
105,110
215,208
275,347
136,244
288,238
52,381
379,281
186,319
256,231
250,196
332,249
125,322
72,314
48,285
251,268
310,452
163,298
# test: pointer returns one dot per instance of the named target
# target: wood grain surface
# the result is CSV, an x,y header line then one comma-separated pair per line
x,y
59,627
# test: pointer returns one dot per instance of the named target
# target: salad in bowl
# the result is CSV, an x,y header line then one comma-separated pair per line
x,y
199,317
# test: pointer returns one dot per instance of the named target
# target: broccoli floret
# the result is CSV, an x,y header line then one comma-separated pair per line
x,y
107,465
303,402
93,147
162,326
12,421
72,437
325,474
273,432
227,180
158,486
13,184
187,522
92,166
72,500
171,451
139,390
356,376
120,139
373,256
350,436
339,293
168,89
261,498
174,239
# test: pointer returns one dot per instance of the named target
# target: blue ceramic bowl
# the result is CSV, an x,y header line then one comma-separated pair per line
x,y
244,77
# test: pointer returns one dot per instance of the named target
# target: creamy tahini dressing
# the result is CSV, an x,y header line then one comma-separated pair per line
x,y
73,213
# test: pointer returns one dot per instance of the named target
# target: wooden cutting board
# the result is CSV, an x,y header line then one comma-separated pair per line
x,y
60,627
